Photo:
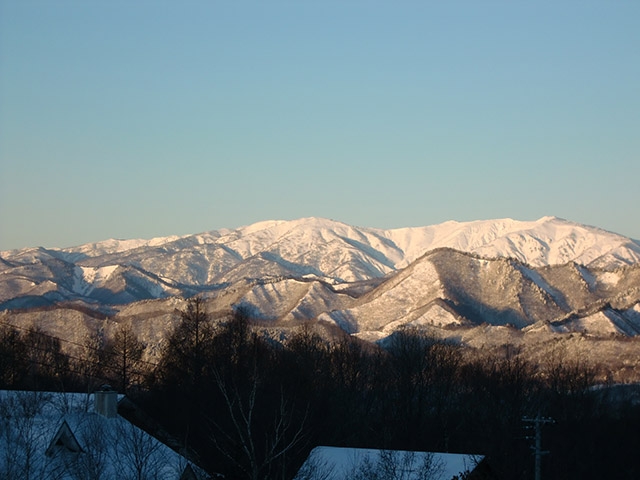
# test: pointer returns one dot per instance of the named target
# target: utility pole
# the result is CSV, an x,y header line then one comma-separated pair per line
x,y
538,421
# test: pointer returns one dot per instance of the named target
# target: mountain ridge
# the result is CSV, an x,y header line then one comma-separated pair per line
x,y
367,281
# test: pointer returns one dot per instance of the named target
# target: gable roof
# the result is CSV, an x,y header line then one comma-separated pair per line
x,y
64,438
57,435
346,463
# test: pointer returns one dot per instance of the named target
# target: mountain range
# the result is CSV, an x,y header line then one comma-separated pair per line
x,y
550,274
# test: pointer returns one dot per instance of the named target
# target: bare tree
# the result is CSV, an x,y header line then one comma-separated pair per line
x,y
115,449
240,441
258,424
94,360
184,357
395,465
22,439
92,463
12,356
137,455
315,468
127,352
46,363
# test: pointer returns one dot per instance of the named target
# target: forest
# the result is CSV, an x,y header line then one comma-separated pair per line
x,y
250,406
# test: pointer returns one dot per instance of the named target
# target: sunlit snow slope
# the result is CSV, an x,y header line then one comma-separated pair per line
x,y
362,279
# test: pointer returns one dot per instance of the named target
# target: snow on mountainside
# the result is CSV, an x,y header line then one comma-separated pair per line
x,y
497,272
449,288
112,245
547,241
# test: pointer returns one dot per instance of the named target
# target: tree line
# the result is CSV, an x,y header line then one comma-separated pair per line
x,y
32,359
250,406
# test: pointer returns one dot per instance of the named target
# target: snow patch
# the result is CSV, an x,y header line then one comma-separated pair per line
x,y
438,316
86,279
598,324
609,278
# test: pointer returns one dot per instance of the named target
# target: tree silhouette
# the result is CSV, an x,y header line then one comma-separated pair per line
x,y
126,351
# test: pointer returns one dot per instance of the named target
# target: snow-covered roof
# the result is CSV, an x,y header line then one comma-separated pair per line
x,y
58,435
338,463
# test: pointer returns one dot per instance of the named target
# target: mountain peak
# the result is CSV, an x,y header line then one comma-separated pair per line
x,y
550,218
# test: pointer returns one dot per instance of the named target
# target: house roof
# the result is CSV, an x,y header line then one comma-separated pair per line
x,y
64,438
347,463
58,435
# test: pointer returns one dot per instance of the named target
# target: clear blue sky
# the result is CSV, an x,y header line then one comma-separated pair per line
x,y
124,119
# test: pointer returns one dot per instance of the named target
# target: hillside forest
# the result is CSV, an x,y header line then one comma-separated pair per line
x,y
250,406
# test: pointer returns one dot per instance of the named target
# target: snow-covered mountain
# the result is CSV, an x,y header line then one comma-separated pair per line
x,y
497,272
314,243
448,288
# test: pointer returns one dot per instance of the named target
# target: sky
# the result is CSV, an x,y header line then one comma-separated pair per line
x,y
142,119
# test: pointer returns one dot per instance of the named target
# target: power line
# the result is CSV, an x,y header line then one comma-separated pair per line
x,y
65,356
56,360
70,342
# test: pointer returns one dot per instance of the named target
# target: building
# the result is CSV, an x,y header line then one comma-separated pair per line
x,y
334,463
73,436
